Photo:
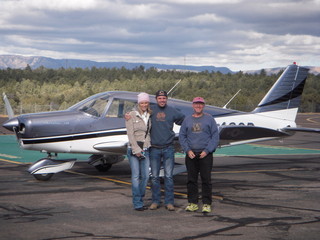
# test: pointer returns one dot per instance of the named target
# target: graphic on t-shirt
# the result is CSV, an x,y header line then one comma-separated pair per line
x,y
196,127
161,116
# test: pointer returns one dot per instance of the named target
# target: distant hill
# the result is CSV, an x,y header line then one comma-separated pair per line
x,y
20,62
269,71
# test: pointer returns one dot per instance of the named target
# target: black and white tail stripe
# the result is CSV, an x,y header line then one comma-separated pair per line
x,y
286,92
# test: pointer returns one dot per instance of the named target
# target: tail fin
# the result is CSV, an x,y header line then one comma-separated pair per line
x,y
8,106
286,93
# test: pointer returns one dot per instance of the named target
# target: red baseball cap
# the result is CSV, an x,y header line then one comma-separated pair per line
x,y
198,100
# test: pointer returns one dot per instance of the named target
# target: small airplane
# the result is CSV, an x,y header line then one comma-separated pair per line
x,y
96,125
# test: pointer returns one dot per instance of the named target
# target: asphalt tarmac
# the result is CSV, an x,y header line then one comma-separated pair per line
x,y
269,194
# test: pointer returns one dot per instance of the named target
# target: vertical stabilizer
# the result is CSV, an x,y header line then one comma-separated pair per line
x,y
286,93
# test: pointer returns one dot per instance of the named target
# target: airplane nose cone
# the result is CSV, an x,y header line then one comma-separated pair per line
x,y
11,123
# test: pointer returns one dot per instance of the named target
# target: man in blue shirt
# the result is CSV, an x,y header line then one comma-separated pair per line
x,y
199,138
162,135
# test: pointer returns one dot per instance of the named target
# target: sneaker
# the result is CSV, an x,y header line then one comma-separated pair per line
x,y
154,206
206,208
192,207
170,207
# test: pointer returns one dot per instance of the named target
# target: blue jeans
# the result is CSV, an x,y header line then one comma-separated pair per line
x,y
166,157
139,177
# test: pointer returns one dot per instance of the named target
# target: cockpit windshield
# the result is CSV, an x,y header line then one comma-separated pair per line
x,y
95,107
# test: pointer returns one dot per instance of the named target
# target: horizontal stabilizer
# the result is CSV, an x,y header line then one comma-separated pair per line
x,y
301,129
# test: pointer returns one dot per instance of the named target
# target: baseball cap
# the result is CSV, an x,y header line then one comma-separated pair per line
x,y
198,100
161,93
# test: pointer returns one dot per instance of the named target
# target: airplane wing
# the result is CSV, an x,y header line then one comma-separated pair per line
x,y
235,134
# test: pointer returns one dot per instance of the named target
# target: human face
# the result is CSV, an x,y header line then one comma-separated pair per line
x,y
144,106
198,108
162,101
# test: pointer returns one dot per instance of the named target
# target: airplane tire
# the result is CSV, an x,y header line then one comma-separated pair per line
x,y
43,177
103,167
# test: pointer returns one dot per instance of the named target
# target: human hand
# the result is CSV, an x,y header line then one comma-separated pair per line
x,y
202,154
191,154
140,156
127,116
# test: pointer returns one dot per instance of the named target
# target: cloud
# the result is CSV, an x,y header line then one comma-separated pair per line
x,y
56,5
239,34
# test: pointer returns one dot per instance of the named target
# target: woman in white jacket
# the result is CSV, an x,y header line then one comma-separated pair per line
x,y
138,131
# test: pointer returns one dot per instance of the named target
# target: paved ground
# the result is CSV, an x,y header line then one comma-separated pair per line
x,y
256,196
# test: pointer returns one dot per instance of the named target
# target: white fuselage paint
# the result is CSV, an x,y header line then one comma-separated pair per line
x,y
82,146
275,120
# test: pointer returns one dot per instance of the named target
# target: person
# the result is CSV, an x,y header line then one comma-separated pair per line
x,y
162,149
138,131
199,138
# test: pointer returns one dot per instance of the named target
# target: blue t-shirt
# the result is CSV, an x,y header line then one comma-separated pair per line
x,y
199,134
162,120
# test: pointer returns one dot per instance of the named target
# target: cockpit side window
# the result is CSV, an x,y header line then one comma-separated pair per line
x,y
119,107
94,107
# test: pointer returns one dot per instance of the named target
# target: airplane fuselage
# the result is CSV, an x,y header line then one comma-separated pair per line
x,y
76,131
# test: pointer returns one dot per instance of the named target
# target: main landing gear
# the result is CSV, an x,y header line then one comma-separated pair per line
x,y
45,168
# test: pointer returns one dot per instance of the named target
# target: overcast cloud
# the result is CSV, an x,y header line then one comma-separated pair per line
x,y
238,34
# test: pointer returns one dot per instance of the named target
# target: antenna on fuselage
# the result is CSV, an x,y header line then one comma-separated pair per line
x,y
173,87
225,106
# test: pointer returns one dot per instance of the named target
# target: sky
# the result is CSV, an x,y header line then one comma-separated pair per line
x,y
238,34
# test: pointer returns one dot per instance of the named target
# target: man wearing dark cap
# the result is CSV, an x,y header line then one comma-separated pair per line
x,y
162,150
199,138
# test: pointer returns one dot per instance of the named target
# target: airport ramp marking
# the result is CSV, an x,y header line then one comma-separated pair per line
x,y
313,121
9,161
8,156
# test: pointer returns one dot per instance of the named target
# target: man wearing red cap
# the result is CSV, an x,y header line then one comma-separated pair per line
x,y
199,138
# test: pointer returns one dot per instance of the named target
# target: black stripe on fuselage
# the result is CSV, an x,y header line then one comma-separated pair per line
x,y
72,137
